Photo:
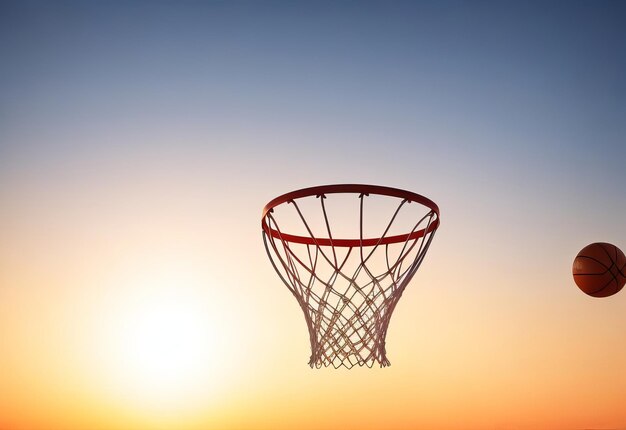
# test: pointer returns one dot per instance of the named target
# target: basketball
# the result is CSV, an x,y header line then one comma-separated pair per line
x,y
600,269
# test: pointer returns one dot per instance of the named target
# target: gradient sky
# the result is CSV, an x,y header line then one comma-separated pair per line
x,y
139,142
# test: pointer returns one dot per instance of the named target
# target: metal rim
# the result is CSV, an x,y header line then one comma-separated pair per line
x,y
361,189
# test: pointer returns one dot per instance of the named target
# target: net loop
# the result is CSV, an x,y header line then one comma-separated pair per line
x,y
348,297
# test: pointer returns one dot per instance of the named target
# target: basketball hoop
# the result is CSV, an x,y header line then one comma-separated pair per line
x,y
348,282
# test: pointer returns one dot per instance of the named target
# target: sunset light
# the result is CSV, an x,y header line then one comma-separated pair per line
x,y
207,206
162,340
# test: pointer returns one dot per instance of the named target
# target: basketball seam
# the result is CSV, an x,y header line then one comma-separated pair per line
x,y
597,261
622,271
614,263
608,254
605,285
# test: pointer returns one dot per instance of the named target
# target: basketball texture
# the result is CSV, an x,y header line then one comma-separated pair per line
x,y
600,269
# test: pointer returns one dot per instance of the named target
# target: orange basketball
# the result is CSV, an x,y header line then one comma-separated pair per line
x,y
600,269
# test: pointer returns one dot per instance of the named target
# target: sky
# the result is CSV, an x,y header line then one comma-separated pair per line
x,y
139,142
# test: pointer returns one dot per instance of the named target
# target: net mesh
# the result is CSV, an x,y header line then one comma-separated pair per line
x,y
348,293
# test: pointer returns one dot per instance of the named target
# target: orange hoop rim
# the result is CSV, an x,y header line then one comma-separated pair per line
x,y
361,189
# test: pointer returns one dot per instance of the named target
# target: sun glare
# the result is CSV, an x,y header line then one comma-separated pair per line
x,y
162,340
165,343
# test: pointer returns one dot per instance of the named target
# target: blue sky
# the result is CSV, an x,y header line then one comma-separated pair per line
x,y
534,82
